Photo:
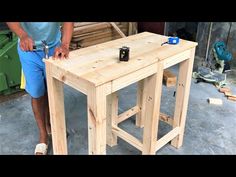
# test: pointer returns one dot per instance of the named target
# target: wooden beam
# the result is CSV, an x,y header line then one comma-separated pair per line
x,y
112,118
127,137
57,113
133,77
182,96
141,104
152,97
96,100
166,138
127,114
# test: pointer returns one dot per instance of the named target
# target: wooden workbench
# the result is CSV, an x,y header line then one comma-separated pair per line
x,y
97,72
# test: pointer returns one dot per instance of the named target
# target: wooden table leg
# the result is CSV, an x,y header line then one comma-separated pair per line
x,y
57,113
112,118
140,104
97,120
152,97
182,97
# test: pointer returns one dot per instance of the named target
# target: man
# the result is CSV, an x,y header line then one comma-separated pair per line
x,y
32,34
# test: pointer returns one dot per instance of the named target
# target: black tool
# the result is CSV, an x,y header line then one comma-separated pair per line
x,y
124,54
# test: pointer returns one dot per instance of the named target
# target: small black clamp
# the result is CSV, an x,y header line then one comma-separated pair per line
x,y
124,53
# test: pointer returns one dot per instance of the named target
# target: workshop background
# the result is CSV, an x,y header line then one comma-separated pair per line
x,y
210,129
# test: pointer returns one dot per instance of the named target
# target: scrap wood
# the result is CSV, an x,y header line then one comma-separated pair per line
x,y
224,89
169,79
91,33
228,93
117,29
232,98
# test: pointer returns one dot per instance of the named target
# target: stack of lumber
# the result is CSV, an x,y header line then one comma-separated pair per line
x,y
91,33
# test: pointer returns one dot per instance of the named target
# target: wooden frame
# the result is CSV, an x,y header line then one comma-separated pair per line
x,y
97,72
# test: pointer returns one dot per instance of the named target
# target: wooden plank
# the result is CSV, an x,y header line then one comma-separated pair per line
x,y
224,89
127,137
119,69
173,60
57,113
141,104
91,35
232,98
133,77
78,58
165,118
132,28
96,41
169,79
105,58
96,100
127,114
167,51
112,118
117,29
90,28
78,24
152,97
228,93
182,95
167,138
70,79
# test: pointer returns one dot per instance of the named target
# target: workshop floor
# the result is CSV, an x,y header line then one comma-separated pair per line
x,y
210,129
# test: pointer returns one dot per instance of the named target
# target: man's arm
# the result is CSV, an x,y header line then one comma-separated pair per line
x,y
63,50
26,42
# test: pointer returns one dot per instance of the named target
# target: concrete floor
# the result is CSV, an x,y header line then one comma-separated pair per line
x,y
210,129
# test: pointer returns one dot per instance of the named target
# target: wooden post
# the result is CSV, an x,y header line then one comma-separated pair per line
x,y
57,113
152,97
140,104
112,118
97,120
182,96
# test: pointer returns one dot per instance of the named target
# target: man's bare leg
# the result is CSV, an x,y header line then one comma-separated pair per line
x,y
39,114
46,114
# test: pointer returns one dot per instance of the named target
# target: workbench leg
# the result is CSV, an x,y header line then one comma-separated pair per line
x,y
97,120
182,97
140,104
57,113
152,97
112,118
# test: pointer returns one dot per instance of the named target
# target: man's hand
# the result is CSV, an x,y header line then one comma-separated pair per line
x,y
61,52
26,43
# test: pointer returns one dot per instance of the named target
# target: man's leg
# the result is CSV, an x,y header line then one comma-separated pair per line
x,y
46,114
35,85
38,109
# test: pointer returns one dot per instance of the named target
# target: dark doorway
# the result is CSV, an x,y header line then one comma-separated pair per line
x,y
154,27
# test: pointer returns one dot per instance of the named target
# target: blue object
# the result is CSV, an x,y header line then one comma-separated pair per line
x,y
173,40
222,52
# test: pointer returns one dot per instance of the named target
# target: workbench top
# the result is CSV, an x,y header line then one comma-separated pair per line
x,y
100,63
